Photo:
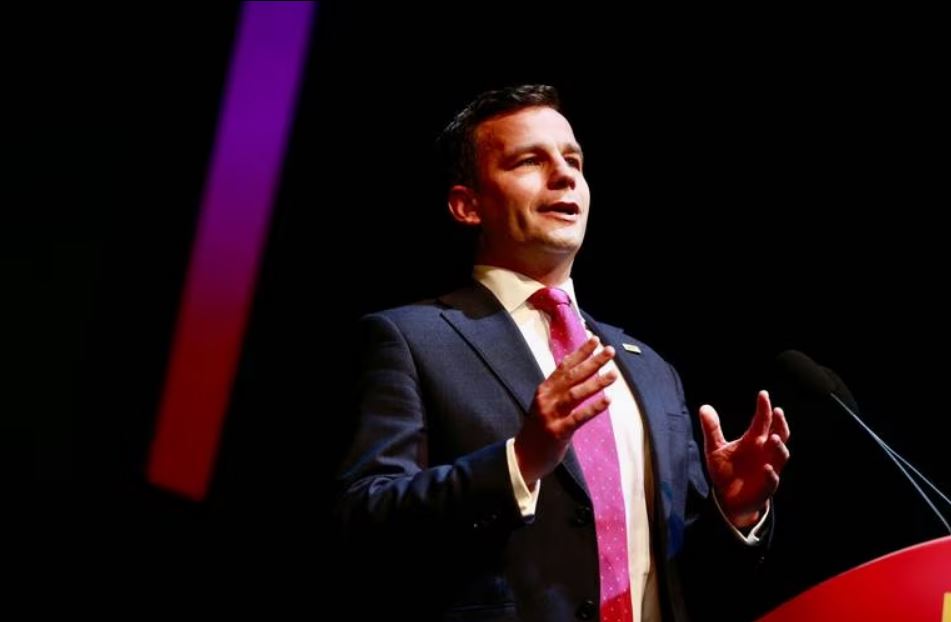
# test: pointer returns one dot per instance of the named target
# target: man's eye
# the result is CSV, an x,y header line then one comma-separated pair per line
x,y
574,163
528,161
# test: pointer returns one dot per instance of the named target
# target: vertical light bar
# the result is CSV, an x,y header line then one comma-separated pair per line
x,y
256,115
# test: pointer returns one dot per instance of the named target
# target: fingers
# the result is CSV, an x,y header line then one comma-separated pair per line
x,y
580,355
576,378
581,364
575,381
778,453
763,418
589,366
587,411
712,433
592,385
772,479
780,426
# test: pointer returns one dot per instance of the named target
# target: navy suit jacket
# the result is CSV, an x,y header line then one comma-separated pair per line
x,y
427,501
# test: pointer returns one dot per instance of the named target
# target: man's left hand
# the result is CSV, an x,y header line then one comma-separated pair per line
x,y
745,471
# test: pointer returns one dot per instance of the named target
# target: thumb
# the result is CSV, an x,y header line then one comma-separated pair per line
x,y
712,434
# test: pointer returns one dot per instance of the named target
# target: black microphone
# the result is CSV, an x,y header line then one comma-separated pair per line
x,y
824,383
806,371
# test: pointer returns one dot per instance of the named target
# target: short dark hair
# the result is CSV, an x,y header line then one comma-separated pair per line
x,y
457,143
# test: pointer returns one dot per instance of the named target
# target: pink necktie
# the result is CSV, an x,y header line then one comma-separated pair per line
x,y
597,453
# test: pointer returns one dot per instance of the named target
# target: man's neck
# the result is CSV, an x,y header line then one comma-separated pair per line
x,y
549,274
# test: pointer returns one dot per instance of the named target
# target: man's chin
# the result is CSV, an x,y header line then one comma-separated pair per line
x,y
560,252
563,244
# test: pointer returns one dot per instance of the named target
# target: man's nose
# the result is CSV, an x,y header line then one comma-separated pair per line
x,y
563,175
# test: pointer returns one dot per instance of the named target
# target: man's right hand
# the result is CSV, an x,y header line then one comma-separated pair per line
x,y
559,409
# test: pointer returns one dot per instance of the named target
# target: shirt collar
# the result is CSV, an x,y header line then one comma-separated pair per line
x,y
513,288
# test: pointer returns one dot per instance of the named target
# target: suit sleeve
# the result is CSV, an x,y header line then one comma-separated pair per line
x,y
387,482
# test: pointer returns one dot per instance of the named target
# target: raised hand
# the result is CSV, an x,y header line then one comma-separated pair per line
x,y
745,472
560,407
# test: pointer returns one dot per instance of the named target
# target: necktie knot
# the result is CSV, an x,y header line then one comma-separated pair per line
x,y
567,331
548,298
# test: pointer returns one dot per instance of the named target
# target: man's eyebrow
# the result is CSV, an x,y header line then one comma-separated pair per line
x,y
573,147
568,147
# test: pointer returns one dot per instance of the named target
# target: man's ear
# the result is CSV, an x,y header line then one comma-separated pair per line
x,y
463,205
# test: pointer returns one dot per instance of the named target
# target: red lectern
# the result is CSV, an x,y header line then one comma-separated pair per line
x,y
910,585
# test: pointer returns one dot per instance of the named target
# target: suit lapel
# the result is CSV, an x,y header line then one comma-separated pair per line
x,y
481,321
643,379
479,318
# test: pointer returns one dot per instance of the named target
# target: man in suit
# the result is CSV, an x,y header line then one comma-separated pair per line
x,y
513,458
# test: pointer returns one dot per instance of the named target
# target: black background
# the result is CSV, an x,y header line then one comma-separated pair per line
x,y
759,181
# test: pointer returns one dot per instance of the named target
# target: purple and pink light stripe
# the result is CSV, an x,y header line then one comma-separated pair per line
x,y
257,112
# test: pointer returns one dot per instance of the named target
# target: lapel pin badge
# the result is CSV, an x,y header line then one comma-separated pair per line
x,y
630,347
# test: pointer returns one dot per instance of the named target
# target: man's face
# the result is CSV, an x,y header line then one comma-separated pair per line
x,y
531,195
